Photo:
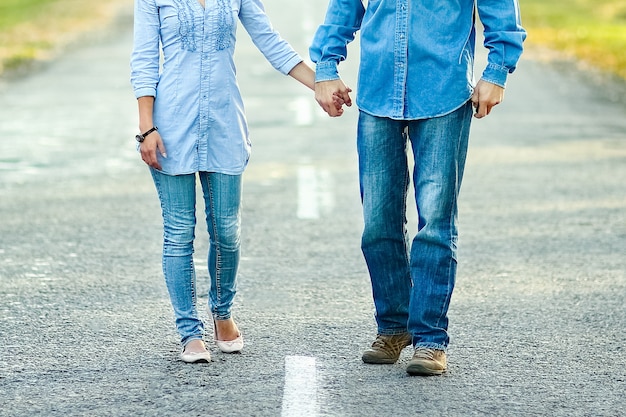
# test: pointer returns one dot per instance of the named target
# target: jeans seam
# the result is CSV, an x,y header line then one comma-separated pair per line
x,y
446,300
405,194
194,298
218,289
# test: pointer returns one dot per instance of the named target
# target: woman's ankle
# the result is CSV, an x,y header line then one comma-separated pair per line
x,y
226,329
196,345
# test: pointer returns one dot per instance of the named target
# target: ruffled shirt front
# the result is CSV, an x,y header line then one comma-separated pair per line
x,y
198,107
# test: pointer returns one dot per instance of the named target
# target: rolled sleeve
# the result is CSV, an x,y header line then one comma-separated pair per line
x,y
144,62
330,43
276,50
145,91
326,71
504,38
496,74
290,64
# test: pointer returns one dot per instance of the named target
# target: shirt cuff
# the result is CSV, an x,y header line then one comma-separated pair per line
x,y
496,74
326,71
145,91
291,64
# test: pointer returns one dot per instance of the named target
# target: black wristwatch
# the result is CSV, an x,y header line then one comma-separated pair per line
x,y
140,138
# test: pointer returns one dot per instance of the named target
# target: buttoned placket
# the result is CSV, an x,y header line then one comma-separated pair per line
x,y
400,58
205,85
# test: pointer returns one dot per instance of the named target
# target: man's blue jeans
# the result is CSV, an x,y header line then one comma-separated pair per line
x,y
222,197
412,284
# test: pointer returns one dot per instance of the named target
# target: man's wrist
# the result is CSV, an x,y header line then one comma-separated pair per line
x,y
326,71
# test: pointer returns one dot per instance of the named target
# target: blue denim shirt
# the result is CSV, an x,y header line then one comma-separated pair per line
x,y
198,107
417,56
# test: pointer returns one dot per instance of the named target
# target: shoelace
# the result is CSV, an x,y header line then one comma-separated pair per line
x,y
424,353
386,345
379,343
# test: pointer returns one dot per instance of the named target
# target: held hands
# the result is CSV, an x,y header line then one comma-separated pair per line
x,y
332,95
149,147
486,95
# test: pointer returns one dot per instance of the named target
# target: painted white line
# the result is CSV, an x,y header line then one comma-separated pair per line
x,y
315,192
300,392
308,207
325,195
304,110
309,24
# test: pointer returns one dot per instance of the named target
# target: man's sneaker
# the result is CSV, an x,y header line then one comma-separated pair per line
x,y
386,348
427,362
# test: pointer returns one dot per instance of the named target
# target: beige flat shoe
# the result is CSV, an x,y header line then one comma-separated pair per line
x,y
195,357
228,346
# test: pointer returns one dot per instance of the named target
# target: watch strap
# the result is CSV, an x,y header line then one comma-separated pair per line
x,y
142,136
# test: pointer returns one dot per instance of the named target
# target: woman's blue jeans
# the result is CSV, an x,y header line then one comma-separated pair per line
x,y
222,198
412,284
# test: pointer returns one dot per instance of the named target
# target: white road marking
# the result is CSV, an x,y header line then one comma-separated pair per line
x,y
315,192
300,391
307,193
303,107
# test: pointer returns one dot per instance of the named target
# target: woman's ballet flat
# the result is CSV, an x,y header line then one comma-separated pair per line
x,y
227,346
194,357
230,346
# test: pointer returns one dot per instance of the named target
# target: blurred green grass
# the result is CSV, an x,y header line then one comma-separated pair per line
x,y
590,30
14,12
32,30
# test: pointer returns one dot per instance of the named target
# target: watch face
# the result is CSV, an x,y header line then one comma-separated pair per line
x,y
139,138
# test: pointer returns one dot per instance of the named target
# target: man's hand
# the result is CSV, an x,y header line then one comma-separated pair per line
x,y
331,95
486,95
149,147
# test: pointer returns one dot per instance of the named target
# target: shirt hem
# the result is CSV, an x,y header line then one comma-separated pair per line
x,y
417,117
215,170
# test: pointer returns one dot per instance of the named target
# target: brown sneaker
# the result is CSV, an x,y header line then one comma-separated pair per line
x,y
386,348
427,362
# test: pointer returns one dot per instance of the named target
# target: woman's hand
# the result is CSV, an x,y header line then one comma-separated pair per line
x,y
149,148
332,95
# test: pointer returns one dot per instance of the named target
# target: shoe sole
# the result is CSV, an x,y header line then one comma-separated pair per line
x,y
420,370
196,358
378,361
231,346
196,361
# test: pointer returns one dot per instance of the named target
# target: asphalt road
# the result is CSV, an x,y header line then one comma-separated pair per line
x,y
537,321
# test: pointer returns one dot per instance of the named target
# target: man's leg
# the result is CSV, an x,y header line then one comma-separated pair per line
x,y
384,179
439,147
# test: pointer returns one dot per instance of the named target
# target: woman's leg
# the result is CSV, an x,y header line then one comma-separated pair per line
x,y
222,197
177,194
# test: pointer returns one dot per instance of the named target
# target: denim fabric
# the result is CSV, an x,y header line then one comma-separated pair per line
x,y
198,107
417,57
412,283
222,197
